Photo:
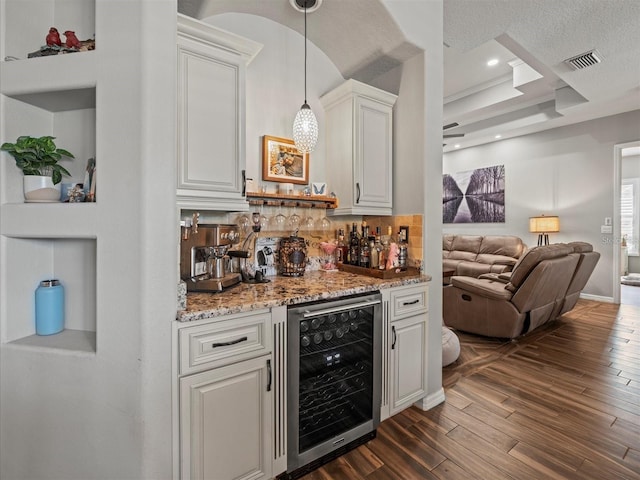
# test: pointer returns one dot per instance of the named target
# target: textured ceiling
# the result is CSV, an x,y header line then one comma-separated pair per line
x,y
535,91
541,33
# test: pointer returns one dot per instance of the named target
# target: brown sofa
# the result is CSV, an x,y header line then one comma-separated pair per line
x,y
545,283
474,255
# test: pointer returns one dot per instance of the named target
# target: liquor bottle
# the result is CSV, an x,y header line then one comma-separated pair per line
x,y
365,251
342,250
375,253
354,246
402,252
384,254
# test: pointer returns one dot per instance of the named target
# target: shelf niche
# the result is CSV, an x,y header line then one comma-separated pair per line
x,y
73,262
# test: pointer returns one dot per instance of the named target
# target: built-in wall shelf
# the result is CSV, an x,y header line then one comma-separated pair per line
x,y
68,84
49,220
68,340
279,199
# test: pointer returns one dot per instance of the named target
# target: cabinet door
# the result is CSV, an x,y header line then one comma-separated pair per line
x,y
373,154
226,422
211,111
407,361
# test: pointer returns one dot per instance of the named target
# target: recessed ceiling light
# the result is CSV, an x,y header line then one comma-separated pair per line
x,y
457,145
498,136
493,62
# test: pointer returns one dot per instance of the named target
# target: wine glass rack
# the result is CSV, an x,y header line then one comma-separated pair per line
x,y
281,199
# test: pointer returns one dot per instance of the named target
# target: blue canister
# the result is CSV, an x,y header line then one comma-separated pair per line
x,y
49,307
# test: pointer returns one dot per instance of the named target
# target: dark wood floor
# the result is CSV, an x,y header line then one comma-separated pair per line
x,y
560,403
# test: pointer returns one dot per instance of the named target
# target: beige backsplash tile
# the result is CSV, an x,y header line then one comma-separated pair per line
x,y
414,222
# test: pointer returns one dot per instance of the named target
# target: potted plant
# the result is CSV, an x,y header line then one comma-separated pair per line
x,y
38,159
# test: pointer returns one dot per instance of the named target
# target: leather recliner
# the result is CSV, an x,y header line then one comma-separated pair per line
x,y
512,304
586,265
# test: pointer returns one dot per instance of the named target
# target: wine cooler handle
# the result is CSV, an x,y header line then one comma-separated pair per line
x,y
358,192
269,375
352,306
393,336
232,342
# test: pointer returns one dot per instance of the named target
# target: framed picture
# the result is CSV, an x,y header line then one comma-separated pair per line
x,y
282,162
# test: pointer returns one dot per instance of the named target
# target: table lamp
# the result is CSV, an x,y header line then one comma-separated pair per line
x,y
543,226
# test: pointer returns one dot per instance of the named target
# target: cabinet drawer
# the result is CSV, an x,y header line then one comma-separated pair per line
x,y
227,340
408,301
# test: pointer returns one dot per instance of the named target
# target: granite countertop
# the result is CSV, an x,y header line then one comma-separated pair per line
x,y
315,285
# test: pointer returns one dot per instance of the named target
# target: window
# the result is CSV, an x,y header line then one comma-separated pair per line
x,y
629,212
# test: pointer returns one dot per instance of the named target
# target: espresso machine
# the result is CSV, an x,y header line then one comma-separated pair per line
x,y
204,257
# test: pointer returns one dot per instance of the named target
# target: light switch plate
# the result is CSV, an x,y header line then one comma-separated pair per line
x,y
606,229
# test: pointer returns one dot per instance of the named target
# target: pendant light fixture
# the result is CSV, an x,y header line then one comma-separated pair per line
x,y
305,125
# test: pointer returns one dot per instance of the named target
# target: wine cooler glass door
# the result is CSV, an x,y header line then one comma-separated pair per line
x,y
334,375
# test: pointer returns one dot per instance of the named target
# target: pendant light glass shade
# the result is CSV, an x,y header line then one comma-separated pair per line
x,y
305,129
305,125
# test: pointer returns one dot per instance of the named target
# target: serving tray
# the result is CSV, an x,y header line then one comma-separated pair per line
x,y
377,273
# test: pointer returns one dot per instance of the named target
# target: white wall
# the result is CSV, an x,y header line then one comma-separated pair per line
x,y
275,86
106,414
566,171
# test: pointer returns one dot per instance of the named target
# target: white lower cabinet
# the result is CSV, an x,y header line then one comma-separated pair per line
x,y
226,422
225,389
405,343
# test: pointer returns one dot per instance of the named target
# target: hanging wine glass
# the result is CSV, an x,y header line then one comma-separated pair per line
x,y
308,223
264,220
255,219
279,221
324,223
293,223
244,224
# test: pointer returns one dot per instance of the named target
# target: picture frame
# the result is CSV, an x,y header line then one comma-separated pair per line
x,y
283,162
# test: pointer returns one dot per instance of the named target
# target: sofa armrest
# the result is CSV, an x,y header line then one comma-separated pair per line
x,y
485,287
497,277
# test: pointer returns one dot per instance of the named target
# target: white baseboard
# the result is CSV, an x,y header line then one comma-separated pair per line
x,y
432,400
597,298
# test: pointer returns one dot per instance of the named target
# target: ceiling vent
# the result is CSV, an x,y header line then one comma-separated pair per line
x,y
584,60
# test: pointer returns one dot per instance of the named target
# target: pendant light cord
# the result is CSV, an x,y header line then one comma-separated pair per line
x,y
305,52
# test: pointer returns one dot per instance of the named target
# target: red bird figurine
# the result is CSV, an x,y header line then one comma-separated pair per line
x,y
72,40
53,38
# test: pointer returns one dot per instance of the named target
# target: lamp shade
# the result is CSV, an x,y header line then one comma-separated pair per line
x,y
544,224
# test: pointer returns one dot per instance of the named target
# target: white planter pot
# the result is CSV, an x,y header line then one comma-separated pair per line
x,y
40,189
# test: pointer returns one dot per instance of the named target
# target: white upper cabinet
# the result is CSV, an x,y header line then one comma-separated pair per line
x,y
359,133
211,116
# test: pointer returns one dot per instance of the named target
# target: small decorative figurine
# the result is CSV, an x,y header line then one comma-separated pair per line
x,y
53,38
71,41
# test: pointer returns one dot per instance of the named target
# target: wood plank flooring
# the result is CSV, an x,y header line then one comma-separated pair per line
x,y
561,403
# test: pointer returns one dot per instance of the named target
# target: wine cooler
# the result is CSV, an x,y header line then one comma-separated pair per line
x,y
334,378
